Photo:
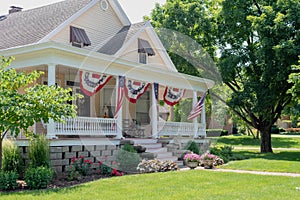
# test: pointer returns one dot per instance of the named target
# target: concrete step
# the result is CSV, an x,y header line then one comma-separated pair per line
x,y
164,155
157,150
138,141
171,158
152,145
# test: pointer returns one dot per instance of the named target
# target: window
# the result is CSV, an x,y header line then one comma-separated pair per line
x,y
78,37
143,58
109,98
142,109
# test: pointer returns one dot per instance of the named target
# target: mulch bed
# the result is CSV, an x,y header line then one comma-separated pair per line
x,y
61,182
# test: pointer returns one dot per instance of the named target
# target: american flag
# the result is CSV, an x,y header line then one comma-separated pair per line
x,y
197,108
120,95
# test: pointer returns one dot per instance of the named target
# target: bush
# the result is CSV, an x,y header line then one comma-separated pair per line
x,y
193,147
38,178
81,165
104,169
275,129
224,152
224,132
39,152
8,180
150,166
11,157
128,158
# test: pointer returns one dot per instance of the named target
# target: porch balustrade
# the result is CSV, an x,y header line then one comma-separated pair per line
x,y
181,129
87,126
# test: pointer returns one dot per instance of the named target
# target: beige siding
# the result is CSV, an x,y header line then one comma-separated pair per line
x,y
131,52
98,24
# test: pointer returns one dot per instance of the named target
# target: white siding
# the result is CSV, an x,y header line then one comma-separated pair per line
x,y
99,25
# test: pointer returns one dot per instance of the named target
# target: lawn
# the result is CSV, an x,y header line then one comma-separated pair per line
x,y
191,184
278,141
283,160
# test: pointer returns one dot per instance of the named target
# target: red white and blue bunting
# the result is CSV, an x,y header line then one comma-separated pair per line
x,y
135,89
91,83
173,95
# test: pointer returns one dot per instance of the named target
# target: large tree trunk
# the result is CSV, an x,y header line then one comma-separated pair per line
x,y
265,141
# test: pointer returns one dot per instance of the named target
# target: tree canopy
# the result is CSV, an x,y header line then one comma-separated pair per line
x,y
23,102
256,46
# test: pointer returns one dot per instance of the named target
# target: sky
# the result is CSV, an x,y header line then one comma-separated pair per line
x,y
135,9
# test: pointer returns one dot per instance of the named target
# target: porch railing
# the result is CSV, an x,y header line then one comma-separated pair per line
x,y
181,128
87,126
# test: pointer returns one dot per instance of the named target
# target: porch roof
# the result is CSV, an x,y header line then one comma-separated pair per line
x,y
60,54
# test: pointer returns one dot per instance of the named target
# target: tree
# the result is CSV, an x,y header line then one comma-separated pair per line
x,y
257,43
23,102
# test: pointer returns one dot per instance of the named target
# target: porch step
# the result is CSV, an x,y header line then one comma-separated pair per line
x,y
152,146
138,141
156,150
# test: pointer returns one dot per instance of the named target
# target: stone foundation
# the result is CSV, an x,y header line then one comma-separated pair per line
x,y
61,156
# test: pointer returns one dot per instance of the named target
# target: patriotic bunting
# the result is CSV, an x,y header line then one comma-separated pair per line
x,y
91,83
135,89
197,108
173,95
156,88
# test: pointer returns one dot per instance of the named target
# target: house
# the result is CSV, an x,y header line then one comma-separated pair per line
x,y
122,69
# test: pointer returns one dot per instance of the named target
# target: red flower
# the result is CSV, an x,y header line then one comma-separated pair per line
x,y
99,163
114,163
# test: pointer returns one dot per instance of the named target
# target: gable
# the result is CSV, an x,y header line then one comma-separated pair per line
x,y
98,24
131,52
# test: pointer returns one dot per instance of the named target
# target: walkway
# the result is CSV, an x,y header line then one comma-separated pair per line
x,y
248,172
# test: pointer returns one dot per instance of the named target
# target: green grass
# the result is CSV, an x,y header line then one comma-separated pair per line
x,y
278,141
192,184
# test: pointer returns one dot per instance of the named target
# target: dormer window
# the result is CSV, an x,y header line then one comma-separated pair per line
x,y
78,37
144,50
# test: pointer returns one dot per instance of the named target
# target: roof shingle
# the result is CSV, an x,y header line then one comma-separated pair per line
x,y
30,26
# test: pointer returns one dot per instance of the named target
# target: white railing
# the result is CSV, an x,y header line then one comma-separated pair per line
x,y
181,129
87,126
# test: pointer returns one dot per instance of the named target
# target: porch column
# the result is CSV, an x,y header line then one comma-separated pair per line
x,y
120,113
195,120
154,114
203,118
51,81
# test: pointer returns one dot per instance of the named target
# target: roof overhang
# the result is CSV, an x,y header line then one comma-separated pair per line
x,y
59,54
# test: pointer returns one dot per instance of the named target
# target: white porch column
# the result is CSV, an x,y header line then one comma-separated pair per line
x,y
120,113
195,120
203,117
51,81
154,113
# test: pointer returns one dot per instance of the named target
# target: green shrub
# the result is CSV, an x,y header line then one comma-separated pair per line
x,y
11,157
193,147
128,159
38,178
39,152
224,152
224,132
104,169
275,129
8,180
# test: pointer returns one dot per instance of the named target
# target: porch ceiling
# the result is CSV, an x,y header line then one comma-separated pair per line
x,y
59,54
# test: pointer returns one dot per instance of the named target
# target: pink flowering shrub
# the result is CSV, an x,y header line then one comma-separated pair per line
x,y
208,156
192,157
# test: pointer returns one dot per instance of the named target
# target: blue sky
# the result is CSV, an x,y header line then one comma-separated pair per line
x,y
135,9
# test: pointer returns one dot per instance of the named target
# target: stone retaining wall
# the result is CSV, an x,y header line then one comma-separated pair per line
x,y
61,156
